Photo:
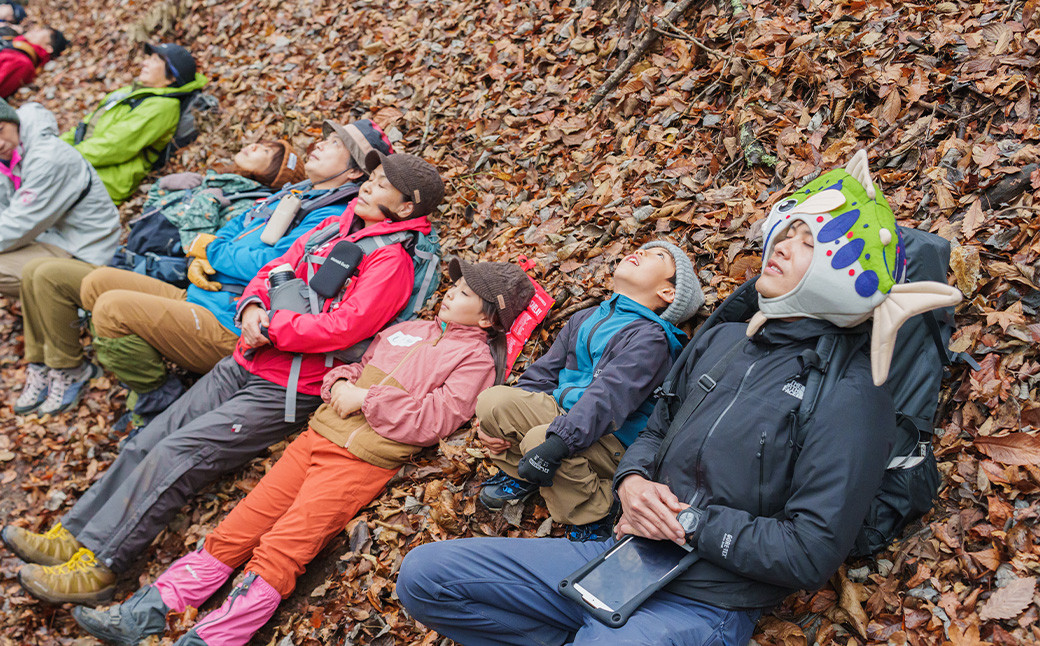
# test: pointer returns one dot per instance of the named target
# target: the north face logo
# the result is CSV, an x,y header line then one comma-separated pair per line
x,y
794,389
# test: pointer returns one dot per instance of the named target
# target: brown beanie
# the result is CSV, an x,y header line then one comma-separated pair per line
x,y
291,170
416,178
501,283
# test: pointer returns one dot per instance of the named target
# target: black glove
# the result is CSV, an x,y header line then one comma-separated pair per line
x,y
539,465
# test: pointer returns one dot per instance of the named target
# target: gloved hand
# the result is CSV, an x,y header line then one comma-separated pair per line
x,y
197,248
180,181
218,195
198,270
539,465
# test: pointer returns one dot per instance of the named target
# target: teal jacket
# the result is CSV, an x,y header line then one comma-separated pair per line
x,y
603,369
124,136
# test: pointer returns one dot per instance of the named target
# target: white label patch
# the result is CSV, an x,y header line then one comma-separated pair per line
x,y
28,197
794,389
727,540
403,340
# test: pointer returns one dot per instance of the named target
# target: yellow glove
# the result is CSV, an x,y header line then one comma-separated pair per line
x,y
198,270
197,248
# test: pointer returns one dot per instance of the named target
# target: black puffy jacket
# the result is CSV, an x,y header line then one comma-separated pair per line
x,y
777,519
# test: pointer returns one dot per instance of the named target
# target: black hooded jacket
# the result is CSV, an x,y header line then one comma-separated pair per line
x,y
777,519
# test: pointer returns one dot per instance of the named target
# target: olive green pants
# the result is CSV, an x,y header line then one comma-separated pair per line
x,y
139,320
50,300
582,487
12,264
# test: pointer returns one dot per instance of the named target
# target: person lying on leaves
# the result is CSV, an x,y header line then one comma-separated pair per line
x,y
767,518
185,205
417,383
249,401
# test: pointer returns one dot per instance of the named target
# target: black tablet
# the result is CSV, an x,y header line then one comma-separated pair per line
x,y
614,584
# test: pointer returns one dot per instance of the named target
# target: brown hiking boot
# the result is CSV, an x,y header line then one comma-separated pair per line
x,y
81,580
53,547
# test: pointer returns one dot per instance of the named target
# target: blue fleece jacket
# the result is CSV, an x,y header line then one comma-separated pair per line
x,y
603,369
237,254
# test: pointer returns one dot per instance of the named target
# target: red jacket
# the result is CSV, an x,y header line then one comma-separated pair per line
x,y
375,295
17,65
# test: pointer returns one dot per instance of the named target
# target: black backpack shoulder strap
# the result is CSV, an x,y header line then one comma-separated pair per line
x,y
826,364
738,307
337,194
945,354
706,383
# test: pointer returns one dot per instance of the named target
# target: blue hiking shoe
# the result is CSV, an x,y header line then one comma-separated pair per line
x,y
501,488
599,530
34,392
66,387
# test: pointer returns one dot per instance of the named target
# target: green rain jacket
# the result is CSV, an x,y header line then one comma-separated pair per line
x,y
124,140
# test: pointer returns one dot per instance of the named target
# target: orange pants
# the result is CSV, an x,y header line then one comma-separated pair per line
x,y
309,495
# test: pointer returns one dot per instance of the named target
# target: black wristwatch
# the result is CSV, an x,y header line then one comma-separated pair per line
x,y
691,520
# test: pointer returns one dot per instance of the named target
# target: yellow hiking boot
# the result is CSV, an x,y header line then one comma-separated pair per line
x,y
81,580
53,547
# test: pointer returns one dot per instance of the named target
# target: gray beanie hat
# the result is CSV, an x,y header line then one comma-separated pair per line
x,y
688,294
7,113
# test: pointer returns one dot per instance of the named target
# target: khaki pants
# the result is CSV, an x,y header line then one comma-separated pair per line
x,y
50,300
13,262
138,320
581,491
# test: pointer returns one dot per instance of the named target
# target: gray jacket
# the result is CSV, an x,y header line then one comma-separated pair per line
x,y
47,206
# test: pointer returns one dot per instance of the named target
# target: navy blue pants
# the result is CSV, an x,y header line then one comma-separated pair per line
x,y
503,591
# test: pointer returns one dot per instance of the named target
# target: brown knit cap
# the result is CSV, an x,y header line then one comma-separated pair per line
x,y
415,177
292,166
502,283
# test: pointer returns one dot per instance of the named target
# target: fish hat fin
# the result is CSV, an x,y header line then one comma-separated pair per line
x,y
822,202
904,301
758,319
860,171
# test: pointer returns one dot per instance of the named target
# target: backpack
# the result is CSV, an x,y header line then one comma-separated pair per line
x,y
911,480
424,249
187,129
153,246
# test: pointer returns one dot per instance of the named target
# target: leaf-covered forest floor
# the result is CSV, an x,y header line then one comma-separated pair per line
x,y
734,105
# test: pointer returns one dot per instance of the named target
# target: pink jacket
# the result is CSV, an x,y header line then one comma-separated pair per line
x,y
440,371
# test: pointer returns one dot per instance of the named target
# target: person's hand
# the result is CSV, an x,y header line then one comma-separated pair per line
x,y
539,465
180,181
649,510
198,271
198,246
493,444
218,195
254,320
346,398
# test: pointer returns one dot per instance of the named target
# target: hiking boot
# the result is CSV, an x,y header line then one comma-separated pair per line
x,y
127,623
53,547
34,392
66,386
600,530
502,488
148,405
80,580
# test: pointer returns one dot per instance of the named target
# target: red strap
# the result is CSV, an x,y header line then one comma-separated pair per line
x,y
524,325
